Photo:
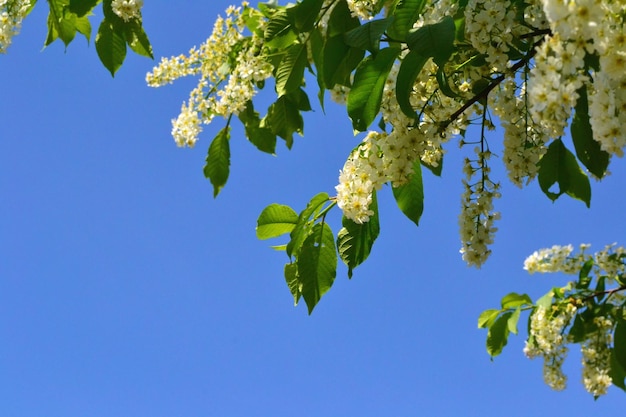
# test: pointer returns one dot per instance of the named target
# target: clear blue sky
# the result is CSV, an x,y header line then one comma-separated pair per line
x,y
126,290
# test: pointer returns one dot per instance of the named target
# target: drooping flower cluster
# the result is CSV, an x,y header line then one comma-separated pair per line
x,y
547,326
476,221
229,64
127,10
596,357
12,12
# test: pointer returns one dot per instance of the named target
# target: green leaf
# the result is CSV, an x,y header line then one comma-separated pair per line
x,y
546,300
304,14
278,25
406,14
355,241
341,20
339,61
487,318
303,226
435,40
514,300
317,51
619,343
365,97
61,22
512,321
82,7
498,334
290,72
410,196
558,166
284,119
588,150
583,276
261,137
137,39
291,276
275,220
83,26
111,46
367,36
217,165
442,81
317,264
617,371
411,66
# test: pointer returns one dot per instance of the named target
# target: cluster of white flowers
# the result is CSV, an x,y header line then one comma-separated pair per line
x,y
554,259
12,12
228,60
363,9
127,10
547,340
476,221
583,27
523,139
596,356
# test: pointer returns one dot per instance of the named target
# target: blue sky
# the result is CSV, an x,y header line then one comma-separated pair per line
x,y
127,290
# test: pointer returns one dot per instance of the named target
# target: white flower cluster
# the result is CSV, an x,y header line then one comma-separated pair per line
x,y
127,10
523,138
12,12
596,356
583,28
363,9
547,340
228,60
476,221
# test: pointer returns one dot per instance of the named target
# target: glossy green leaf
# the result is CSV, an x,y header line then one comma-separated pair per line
x,y
442,81
217,166
303,227
498,335
367,36
317,264
410,196
277,26
588,150
111,46
487,318
291,276
137,39
304,14
583,276
316,41
411,66
546,300
275,220
355,241
514,300
339,61
558,166
435,40
406,14
512,321
365,97
284,119
290,72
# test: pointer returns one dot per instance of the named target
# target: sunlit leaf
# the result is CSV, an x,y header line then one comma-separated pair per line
x,y
410,196
411,66
217,166
498,335
366,94
587,148
435,40
303,226
275,220
317,264
558,166
111,46
355,241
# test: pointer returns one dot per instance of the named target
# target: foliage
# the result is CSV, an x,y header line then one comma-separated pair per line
x,y
429,72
